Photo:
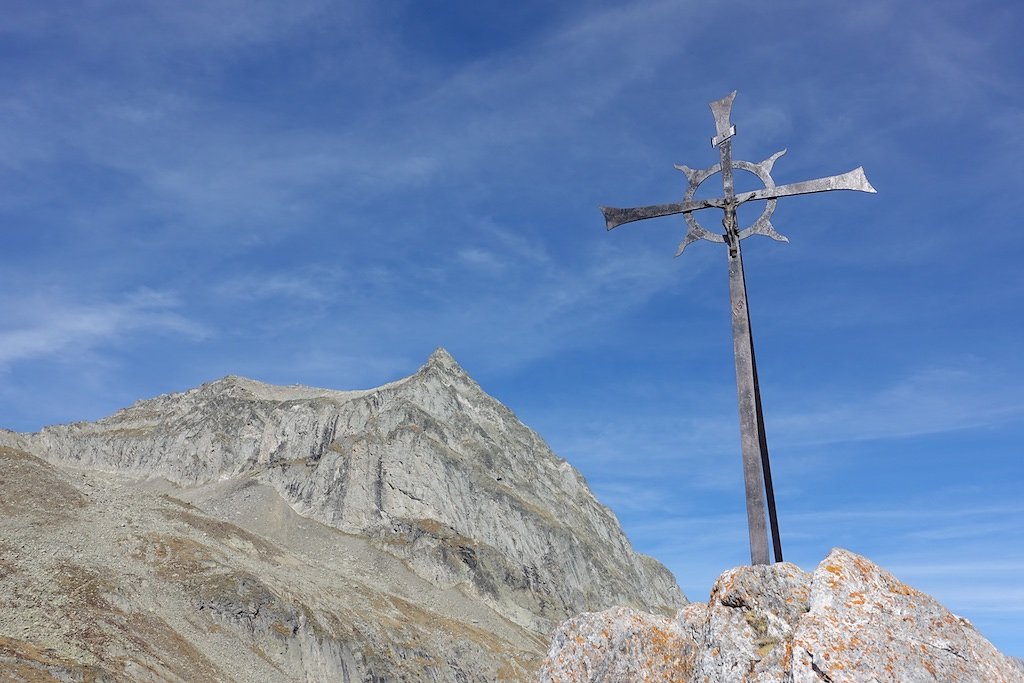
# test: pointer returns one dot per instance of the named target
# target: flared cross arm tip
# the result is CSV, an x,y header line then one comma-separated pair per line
x,y
722,111
614,217
851,180
610,214
867,187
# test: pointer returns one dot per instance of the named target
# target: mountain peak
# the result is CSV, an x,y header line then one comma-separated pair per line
x,y
440,356
440,361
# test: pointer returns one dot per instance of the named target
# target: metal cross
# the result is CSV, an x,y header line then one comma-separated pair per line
x,y
756,469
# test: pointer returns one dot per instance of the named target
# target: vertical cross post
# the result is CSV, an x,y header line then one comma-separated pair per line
x,y
753,443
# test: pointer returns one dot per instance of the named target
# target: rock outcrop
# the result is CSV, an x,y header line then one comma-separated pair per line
x,y
848,622
742,631
863,622
619,645
417,531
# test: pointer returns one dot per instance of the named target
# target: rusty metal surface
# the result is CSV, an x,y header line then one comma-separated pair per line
x,y
760,492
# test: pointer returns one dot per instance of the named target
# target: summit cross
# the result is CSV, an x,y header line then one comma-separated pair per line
x,y
757,476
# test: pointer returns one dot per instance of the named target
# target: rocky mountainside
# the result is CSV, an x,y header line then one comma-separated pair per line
x,y
242,531
849,621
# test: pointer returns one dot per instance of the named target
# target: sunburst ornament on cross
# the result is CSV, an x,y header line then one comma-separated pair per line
x,y
760,493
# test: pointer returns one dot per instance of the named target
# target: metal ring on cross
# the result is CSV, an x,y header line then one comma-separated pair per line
x,y
762,226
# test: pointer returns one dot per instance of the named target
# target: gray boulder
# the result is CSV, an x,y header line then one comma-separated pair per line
x,y
743,631
848,622
865,624
617,645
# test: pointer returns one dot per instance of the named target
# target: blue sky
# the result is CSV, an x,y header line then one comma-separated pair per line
x,y
321,193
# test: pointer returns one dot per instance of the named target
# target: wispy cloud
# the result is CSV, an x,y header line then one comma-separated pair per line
x,y
59,328
304,284
960,65
927,401
554,304
203,164
702,442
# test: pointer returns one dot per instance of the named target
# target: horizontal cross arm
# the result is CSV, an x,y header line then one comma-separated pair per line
x,y
614,217
851,180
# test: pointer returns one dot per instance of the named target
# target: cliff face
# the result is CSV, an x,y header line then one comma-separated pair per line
x,y
464,539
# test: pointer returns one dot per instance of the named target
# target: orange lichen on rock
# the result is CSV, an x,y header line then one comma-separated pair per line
x,y
850,622
620,644
874,627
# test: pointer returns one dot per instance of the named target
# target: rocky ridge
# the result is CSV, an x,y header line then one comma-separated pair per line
x,y
416,531
849,621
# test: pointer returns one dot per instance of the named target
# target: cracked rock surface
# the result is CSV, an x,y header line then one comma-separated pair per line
x,y
850,621
240,531
618,645
865,624
743,631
